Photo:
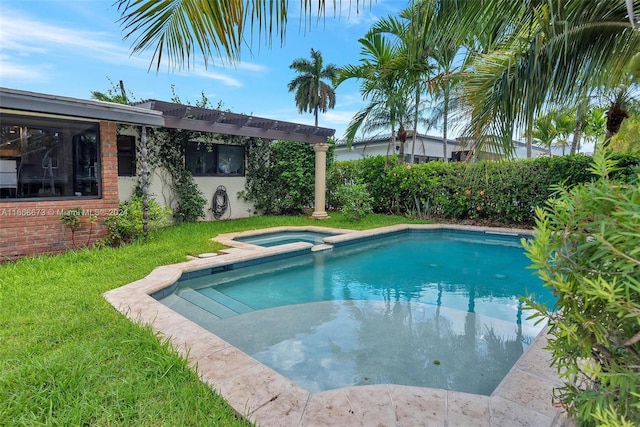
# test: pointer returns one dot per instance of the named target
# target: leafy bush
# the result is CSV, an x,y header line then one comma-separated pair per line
x,y
586,249
71,219
497,192
280,177
355,201
127,225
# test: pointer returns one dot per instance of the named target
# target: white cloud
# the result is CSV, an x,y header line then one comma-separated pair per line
x,y
23,73
28,37
227,80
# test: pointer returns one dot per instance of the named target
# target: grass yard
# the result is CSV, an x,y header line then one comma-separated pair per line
x,y
68,358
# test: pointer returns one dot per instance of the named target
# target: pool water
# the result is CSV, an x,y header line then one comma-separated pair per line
x,y
429,309
283,237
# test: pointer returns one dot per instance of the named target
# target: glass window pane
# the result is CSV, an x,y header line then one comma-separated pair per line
x,y
200,159
126,155
231,159
48,157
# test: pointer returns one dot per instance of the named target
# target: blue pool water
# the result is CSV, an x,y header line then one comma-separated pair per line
x,y
431,309
283,237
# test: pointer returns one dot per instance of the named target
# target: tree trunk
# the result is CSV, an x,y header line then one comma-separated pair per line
x,y
415,124
402,137
577,130
445,120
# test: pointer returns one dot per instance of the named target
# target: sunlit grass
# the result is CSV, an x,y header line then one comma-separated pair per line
x,y
68,358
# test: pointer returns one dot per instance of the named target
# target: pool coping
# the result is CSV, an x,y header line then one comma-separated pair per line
x,y
265,397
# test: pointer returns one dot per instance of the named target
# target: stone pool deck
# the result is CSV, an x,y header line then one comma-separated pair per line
x,y
523,398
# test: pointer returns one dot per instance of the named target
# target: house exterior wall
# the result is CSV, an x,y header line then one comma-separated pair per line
x,y
32,227
426,146
161,191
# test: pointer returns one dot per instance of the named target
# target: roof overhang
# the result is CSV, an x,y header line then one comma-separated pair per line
x,y
72,107
179,116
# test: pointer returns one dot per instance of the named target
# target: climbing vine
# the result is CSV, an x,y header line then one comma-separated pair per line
x,y
280,176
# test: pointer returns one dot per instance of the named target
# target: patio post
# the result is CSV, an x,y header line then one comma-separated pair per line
x,y
320,187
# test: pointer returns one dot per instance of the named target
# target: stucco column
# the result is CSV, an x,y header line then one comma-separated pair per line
x,y
321,177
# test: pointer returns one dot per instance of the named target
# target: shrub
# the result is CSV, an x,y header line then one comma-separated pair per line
x,y
71,219
586,249
497,192
355,201
280,177
127,225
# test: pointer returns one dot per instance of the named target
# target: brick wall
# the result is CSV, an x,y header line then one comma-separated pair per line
x,y
33,227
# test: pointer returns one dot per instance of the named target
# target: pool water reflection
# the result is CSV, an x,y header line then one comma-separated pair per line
x,y
429,309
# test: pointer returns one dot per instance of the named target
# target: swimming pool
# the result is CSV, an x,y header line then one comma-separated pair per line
x,y
265,397
436,308
283,237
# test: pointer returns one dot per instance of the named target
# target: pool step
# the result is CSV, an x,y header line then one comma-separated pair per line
x,y
196,298
227,301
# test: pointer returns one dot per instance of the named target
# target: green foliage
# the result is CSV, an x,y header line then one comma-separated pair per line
x,y
280,177
355,201
486,192
127,225
167,149
71,218
586,249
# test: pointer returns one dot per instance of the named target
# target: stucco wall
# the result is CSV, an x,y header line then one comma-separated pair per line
x,y
29,227
161,190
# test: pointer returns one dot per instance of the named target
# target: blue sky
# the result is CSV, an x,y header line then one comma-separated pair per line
x,y
72,47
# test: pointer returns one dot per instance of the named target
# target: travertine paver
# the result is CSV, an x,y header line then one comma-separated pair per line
x,y
469,410
265,397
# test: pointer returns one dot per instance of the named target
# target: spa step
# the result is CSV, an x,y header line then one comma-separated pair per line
x,y
189,310
225,300
206,303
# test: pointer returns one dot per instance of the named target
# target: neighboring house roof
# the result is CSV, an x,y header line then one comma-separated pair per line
x,y
90,109
460,141
180,116
164,114
387,137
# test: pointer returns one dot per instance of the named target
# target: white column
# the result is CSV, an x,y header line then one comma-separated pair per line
x,y
321,175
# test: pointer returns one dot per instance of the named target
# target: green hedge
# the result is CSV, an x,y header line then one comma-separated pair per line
x,y
499,192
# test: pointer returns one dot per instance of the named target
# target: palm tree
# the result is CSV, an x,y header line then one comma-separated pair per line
x,y
179,28
544,131
117,95
551,52
385,88
313,94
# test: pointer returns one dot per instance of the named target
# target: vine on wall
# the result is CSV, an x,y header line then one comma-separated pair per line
x,y
280,176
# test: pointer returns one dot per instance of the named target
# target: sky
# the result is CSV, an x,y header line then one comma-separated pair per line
x,y
73,47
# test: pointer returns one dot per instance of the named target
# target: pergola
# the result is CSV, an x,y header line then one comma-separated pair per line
x,y
187,117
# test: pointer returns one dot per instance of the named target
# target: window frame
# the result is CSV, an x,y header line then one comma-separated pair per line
x,y
211,156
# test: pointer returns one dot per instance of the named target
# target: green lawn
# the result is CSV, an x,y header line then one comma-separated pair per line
x,y
68,358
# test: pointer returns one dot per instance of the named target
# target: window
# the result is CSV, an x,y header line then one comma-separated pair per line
x,y
48,157
126,155
215,159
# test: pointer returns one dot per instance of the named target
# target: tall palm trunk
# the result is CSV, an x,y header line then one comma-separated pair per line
x,y
577,130
415,123
445,124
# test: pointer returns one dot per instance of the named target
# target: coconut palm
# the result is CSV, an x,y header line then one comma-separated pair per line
x,y
553,52
179,28
312,94
384,88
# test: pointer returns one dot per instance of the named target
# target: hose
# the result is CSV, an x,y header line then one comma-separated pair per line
x,y
220,202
